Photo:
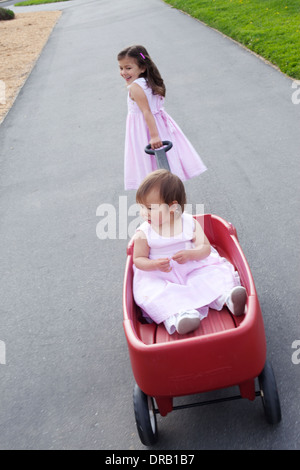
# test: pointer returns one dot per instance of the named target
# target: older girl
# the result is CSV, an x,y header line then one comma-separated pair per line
x,y
147,121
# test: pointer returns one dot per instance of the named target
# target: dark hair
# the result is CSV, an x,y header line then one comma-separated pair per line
x,y
170,188
151,74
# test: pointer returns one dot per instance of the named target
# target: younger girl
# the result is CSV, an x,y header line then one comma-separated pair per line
x,y
147,121
177,274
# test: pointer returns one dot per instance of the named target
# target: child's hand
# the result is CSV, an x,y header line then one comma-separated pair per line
x,y
155,143
181,257
163,264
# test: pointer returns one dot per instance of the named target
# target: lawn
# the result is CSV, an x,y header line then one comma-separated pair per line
x,y
37,2
271,28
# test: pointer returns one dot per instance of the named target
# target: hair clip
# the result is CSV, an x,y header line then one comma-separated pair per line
x,y
142,56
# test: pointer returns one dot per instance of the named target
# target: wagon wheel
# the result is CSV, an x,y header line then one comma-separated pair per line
x,y
269,394
145,417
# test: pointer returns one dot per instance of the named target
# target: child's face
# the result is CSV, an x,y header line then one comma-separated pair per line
x,y
154,210
130,70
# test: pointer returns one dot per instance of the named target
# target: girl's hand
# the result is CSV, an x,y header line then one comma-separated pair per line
x,y
182,256
163,264
155,143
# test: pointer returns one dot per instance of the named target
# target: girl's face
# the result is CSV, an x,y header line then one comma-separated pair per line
x,y
130,70
155,211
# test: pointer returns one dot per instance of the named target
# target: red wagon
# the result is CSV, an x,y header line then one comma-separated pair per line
x,y
225,350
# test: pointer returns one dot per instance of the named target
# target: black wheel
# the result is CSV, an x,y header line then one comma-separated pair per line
x,y
145,417
269,394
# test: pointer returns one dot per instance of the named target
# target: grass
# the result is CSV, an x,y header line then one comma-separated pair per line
x,y
37,2
271,28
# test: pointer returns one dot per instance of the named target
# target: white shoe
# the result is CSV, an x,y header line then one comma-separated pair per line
x,y
187,321
236,301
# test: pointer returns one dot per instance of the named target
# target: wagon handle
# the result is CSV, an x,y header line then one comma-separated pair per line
x,y
160,155
149,150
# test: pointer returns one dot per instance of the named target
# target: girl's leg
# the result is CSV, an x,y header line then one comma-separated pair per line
x,y
235,300
185,321
170,324
218,304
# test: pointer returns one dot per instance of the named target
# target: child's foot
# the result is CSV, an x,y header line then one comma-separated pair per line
x,y
187,321
236,301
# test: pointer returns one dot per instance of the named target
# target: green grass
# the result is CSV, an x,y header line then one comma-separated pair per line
x,y
271,28
37,2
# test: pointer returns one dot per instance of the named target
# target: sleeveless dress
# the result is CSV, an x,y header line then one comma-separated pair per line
x,y
183,159
193,285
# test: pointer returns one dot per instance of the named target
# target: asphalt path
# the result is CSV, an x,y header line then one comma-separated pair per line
x,y
5,4
67,381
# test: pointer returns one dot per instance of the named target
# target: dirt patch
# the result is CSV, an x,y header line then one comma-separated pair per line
x,y
21,42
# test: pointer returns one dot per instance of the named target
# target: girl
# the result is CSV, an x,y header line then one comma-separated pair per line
x,y
177,274
148,122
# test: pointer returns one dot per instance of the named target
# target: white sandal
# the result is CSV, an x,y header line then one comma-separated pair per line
x,y
236,301
187,321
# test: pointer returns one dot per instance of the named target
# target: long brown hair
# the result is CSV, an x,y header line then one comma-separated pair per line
x,y
151,74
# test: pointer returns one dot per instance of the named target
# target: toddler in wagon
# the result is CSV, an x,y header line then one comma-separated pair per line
x,y
178,275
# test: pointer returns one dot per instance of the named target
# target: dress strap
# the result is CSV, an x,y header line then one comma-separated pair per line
x,y
141,82
144,227
188,225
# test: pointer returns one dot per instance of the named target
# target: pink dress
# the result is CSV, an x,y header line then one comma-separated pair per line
x,y
193,285
183,159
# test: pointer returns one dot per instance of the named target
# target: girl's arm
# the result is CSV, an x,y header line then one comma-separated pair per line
x,y
141,256
201,250
138,95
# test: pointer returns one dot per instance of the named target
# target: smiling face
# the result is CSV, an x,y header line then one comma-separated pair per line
x,y
130,70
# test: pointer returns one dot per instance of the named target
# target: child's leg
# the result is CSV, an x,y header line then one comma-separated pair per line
x,y
235,300
218,304
182,322
170,324
185,321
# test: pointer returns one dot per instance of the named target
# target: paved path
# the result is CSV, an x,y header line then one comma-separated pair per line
x,y
67,382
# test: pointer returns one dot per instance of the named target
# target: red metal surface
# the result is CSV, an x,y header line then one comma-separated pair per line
x,y
224,351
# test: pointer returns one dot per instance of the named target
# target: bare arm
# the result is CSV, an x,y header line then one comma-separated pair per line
x,y
141,256
201,250
138,95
